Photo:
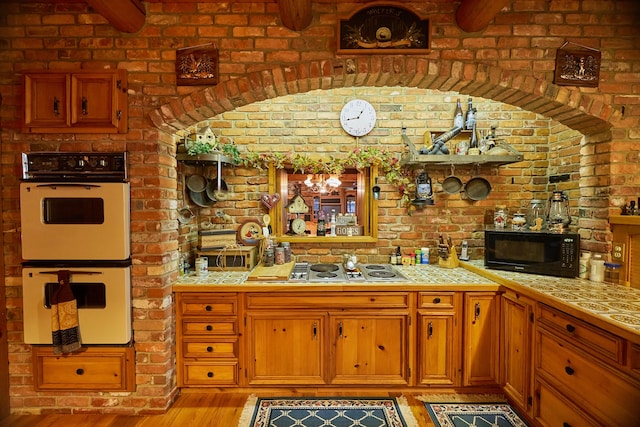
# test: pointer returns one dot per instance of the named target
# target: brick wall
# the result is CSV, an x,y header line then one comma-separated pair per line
x,y
592,131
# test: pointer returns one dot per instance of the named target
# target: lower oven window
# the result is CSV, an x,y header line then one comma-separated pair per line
x,y
88,295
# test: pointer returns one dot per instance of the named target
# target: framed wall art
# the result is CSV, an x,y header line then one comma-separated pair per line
x,y
387,28
197,65
577,65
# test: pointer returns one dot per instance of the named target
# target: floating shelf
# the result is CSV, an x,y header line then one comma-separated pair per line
x,y
214,157
413,157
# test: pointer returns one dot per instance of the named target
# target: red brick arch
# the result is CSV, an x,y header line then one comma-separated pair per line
x,y
566,105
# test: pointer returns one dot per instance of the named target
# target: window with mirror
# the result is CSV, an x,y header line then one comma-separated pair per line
x,y
310,201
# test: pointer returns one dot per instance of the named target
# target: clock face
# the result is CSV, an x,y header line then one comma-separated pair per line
x,y
358,117
299,226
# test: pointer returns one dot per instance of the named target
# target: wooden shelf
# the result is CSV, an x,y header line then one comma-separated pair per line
x,y
413,157
214,157
625,219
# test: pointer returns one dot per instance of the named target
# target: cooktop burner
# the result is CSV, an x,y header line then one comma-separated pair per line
x,y
363,273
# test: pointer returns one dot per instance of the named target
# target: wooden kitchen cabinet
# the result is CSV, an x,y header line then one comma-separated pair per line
x,y
286,348
370,348
480,338
439,361
583,367
99,368
516,349
81,101
328,338
207,339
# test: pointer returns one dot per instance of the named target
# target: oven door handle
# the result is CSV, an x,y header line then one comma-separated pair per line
x,y
71,272
54,186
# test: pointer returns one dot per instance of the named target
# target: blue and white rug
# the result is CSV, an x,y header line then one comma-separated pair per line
x,y
485,414
327,412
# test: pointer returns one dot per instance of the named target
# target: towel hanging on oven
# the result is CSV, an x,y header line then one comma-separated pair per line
x,y
65,328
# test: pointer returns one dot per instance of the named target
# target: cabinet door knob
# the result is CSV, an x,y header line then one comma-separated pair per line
x,y
209,349
208,308
570,327
436,300
209,328
210,374
80,371
566,424
569,370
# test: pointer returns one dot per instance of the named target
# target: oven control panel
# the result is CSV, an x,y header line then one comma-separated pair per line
x,y
74,166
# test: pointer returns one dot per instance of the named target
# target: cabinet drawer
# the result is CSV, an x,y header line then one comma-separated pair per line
x,y
554,410
599,390
207,306
212,327
203,349
95,368
591,339
436,300
329,300
211,374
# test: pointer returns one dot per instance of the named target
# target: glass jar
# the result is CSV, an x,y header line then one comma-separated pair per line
x,y
519,221
500,217
536,214
597,269
612,273
585,258
268,258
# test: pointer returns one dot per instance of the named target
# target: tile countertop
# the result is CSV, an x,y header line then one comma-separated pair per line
x,y
611,307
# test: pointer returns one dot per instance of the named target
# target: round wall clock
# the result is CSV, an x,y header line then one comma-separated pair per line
x,y
358,117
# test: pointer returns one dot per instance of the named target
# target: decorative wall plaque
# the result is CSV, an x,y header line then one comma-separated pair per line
x,y
197,65
384,28
577,66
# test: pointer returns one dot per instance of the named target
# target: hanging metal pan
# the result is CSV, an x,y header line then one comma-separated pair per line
x,y
201,199
452,184
477,188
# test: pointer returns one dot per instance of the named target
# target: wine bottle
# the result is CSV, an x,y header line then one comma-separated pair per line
x,y
473,141
458,118
470,118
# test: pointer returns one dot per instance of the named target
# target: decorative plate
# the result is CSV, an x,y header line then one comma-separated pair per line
x,y
250,233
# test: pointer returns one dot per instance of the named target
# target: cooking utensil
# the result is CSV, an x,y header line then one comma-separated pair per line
x,y
185,214
201,199
197,183
218,189
477,188
452,184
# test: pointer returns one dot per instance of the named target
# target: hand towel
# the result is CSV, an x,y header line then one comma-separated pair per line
x,y
65,329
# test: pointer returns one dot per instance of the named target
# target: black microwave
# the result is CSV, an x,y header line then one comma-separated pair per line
x,y
536,252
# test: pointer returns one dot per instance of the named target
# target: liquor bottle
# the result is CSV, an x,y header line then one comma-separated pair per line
x,y
322,228
458,118
470,118
398,256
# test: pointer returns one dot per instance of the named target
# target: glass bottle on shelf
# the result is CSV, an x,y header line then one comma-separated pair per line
x,y
470,118
458,118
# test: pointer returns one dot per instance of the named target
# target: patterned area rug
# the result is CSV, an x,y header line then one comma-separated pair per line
x,y
328,412
485,414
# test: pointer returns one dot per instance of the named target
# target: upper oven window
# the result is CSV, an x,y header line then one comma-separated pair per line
x,y
73,210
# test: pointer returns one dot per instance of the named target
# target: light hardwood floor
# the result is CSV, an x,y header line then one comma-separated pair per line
x,y
193,409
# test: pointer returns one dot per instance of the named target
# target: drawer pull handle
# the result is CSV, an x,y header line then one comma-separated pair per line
x,y
209,328
210,374
80,371
569,370
315,330
84,106
340,329
476,314
430,330
436,300
56,106
209,349
566,424
570,327
208,308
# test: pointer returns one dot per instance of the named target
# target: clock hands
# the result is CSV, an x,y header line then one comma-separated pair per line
x,y
357,117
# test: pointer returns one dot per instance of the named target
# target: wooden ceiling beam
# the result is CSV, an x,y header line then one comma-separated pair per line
x,y
475,15
125,15
295,14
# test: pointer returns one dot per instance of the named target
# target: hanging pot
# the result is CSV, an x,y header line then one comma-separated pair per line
x,y
452,184
197,183
201,199
477,188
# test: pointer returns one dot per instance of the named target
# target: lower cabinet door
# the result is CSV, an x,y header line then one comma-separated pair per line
x,y
369,350
439,348
481,341
286,348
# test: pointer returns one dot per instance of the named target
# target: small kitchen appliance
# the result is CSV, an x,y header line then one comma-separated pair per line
x,y
332,273
537,252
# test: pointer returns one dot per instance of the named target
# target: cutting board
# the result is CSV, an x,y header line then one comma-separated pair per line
x,y
275,273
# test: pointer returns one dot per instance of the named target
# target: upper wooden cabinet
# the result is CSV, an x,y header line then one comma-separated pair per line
x,y
82,101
